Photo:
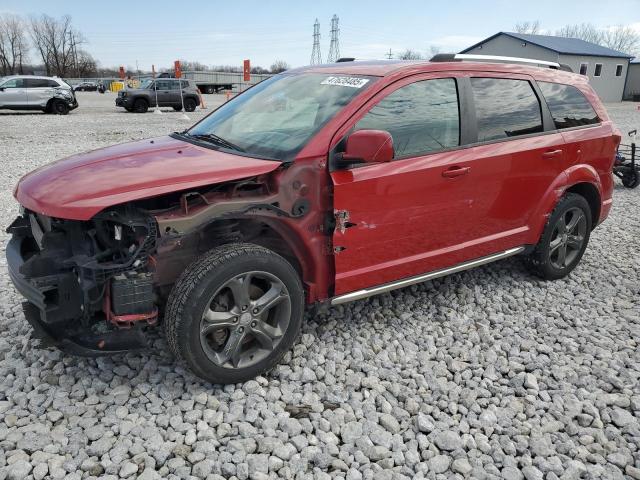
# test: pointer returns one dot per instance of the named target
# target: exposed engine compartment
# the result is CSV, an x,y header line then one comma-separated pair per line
x,y
80,273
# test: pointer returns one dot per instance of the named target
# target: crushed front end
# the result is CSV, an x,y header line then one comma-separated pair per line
x,y
88,284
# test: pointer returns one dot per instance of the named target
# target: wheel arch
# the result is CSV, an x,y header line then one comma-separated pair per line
x,y
592,195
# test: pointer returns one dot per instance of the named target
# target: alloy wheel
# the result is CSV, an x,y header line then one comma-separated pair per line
x,y
568,238
245,319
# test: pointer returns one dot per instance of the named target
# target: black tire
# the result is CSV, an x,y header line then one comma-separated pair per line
x,y
546,260
59,107
209,90
140,105
194,296
128,109
190,104
177,108
631,178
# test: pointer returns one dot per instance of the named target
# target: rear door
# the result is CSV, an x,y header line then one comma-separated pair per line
x,y
39,91
13,93
521,153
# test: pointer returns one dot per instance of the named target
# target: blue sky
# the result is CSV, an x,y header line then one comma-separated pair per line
x,y
157,32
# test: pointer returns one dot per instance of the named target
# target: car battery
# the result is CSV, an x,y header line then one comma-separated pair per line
x,y
132,293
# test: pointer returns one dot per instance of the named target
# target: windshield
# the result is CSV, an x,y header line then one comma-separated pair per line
x,y
146,83
277,117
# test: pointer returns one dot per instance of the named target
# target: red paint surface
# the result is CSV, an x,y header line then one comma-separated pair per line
x,y
80,186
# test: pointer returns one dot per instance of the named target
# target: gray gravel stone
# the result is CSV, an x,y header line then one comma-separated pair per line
x,y
484,374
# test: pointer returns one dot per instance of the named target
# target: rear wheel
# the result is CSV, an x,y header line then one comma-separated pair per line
x,y
234,312
189,104
140,105
564,239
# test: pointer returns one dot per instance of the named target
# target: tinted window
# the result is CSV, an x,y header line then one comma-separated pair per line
x,y
505,108
40,83
568,106
421,117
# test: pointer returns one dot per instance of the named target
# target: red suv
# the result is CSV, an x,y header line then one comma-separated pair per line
x,y
323,184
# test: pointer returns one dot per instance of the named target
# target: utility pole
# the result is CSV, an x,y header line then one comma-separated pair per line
x,y
334,46
389,55
316,58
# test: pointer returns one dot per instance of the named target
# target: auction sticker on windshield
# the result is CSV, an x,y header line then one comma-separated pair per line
x,y
353,82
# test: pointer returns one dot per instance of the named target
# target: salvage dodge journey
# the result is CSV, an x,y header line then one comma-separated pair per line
x,y
321,185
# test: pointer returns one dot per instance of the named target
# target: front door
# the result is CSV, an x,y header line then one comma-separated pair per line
x,y
401,218
13,93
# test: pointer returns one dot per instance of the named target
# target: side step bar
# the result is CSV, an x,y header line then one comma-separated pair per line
x,y
387,287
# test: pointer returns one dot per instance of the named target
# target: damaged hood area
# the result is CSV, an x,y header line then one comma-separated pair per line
x,y
80,186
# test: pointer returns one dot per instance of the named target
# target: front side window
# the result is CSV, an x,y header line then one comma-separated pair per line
x,y
14,83
505,108
162,85
277,117
421,117
568,105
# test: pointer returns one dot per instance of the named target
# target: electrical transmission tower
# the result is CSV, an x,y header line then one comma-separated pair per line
x,y
316,58
334,46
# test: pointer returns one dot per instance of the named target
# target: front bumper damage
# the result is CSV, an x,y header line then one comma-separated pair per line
x,y
66,270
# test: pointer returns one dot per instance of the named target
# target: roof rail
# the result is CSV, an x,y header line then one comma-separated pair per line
x,y
459,57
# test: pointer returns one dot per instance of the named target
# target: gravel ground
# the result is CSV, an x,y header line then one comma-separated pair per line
x,y
487,374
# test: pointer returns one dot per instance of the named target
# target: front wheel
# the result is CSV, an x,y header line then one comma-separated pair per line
x,y
59,107
564,239
631,178
234,312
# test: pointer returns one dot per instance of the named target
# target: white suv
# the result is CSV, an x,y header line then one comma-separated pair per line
x,y
28,92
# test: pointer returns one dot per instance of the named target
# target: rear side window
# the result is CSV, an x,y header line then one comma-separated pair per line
x,y
40,83
505,108
568,105
421,117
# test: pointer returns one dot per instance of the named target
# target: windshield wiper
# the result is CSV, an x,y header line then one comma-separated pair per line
x,y
213,138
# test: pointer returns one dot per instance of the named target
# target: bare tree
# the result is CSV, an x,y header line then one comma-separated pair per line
x,y
583,31
622,38
279,66
532,27
409,54
13,44
57,43
434,50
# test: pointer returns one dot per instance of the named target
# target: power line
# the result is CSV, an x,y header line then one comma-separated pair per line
x,y
334,46
316,58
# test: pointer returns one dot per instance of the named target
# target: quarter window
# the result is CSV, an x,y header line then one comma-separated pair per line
x,y
505,108
598,70
421,117
568,106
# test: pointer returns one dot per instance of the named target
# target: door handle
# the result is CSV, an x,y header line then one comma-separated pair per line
x,y
552,153
455,172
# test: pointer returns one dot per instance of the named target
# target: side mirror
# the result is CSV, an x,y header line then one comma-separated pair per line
x,y
368,146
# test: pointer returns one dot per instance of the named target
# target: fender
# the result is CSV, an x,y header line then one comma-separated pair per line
x,y
573,175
